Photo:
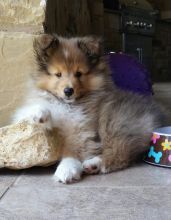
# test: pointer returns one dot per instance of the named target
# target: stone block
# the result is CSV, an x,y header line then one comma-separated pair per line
x,y
21,12
16,63
25,145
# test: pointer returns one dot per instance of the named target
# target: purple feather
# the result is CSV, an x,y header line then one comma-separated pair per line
x,y
129,74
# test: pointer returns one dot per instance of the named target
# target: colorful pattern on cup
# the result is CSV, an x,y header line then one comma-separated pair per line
x,y
160,148
157,155
155,137
166,145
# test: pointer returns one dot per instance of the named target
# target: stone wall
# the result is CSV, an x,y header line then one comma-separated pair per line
x,y
20,21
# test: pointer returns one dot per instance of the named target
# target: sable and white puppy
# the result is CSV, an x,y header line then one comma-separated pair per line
x,y
104,129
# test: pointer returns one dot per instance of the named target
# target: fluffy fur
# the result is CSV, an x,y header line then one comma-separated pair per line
x,y
104,129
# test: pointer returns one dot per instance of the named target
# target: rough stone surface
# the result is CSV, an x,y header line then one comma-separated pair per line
x,y
21,12
16,63
25,145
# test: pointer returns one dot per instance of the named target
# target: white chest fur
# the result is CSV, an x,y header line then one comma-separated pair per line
x,y
71,122
70,119
64,114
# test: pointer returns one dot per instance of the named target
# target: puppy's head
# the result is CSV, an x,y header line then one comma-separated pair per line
x,y
69,68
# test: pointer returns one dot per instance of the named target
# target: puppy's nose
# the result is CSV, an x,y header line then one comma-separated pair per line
x,y
68,91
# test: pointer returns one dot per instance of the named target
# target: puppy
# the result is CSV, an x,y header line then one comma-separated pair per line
x,y
104,129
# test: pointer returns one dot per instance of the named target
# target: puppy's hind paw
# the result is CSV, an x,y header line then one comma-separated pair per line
x,y
92,166
68,171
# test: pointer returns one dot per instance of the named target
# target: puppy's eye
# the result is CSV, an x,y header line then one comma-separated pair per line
x,y
78,74
58,75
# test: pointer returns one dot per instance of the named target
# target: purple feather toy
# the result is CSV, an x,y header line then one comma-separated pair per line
x,y
128,74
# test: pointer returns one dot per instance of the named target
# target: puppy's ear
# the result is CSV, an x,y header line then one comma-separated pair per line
x,y
43,46
92,47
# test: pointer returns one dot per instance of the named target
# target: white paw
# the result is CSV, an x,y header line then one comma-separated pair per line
x,y
43,117
68,171
34,114
92,166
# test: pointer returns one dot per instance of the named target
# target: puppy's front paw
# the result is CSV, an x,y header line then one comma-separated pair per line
x,y
34,114
43,117
68,171
92,166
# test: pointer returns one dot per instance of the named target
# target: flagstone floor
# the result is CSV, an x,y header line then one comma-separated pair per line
x,y
141,192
